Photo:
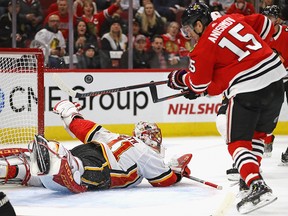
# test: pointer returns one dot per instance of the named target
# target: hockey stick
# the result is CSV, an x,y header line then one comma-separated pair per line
x,y
75,94
156,99
204,182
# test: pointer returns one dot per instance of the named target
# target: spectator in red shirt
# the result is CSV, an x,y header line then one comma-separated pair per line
x,y
63,13
241,7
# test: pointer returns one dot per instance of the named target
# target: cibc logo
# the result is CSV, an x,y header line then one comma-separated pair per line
x,y
2,100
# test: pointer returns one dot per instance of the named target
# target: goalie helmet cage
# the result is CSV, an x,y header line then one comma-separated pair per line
x,y
21,95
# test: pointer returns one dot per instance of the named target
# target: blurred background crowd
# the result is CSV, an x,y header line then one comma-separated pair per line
x,y
107,33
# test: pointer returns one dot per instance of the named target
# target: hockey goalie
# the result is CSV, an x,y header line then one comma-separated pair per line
x,y
104,159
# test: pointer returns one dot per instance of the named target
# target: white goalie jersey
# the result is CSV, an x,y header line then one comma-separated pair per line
x,y
130,160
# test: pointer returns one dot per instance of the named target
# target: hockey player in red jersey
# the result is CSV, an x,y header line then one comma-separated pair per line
x,y
277,42
106,160
232,57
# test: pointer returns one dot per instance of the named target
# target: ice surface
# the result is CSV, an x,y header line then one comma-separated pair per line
x,y
210,162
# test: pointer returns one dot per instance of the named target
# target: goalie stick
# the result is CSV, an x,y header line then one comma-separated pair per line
x,y
156,99
75,94
204,182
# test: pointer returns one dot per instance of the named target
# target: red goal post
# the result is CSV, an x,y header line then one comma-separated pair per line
x,y
21,95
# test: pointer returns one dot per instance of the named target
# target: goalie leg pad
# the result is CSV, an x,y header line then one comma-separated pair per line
x,y
65,177
14,166
50,158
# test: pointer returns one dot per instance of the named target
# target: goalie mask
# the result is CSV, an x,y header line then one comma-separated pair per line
x,y
151,135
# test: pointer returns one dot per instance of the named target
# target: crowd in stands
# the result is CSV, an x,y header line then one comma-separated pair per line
x,y
101,30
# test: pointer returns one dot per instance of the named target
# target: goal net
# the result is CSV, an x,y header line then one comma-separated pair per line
x,y
21,95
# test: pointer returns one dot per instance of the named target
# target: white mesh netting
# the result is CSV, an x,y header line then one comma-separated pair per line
x,y
18,98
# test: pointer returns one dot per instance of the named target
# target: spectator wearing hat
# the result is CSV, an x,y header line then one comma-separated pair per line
x,y
112,41
140,55
6,28
241,7
90,59
136,31
6,209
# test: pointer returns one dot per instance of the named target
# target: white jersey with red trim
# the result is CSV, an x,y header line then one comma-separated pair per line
x,y
236,58
130,160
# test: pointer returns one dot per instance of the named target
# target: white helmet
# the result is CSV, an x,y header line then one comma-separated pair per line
x,y
150,134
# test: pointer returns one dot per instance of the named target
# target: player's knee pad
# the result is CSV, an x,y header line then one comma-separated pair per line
x,y
221,124
67,111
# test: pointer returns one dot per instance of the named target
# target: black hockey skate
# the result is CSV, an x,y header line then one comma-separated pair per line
x,y
41,153
243,189
242,185
284,157
259,195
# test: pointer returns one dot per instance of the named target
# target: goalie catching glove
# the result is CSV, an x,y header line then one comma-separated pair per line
x,y
175,79
180,165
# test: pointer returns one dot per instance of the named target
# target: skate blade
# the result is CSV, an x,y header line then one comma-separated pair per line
x,y
249,207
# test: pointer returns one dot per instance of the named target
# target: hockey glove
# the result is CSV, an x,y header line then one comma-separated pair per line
x,y
175,79
192,95
180,165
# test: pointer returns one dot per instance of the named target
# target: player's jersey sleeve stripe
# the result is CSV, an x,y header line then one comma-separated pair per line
x,y
198,88
91,133
266,28
122,179
165,179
